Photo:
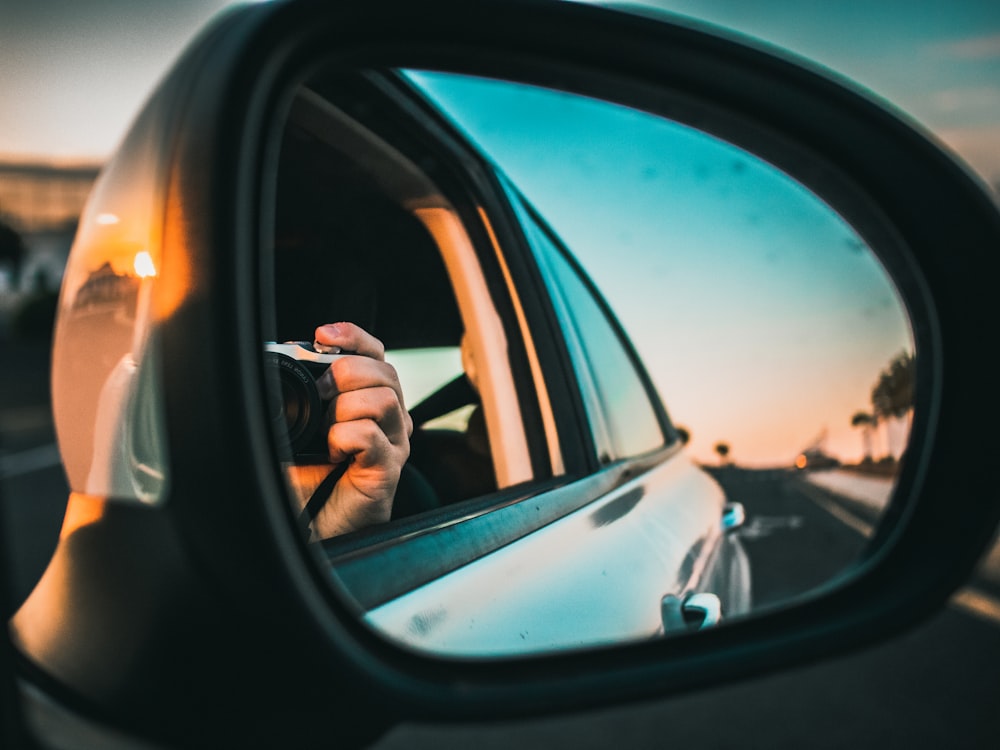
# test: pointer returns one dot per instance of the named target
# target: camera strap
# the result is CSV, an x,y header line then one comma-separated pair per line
x,y
321,494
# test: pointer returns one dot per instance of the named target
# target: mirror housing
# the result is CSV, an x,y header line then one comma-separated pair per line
x,y
198,581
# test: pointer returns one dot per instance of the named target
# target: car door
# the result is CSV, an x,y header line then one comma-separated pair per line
x,y
569,484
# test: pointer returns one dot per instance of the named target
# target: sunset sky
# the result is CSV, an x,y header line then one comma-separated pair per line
x,y
777,296
76,71
761,316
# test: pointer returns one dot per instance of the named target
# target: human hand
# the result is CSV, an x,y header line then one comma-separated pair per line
x,y
370,431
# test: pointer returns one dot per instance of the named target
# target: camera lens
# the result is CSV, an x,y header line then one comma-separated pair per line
x,y
294,410
299,413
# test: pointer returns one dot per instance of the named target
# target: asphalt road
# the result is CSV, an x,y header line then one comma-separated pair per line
x,y
935,686
794,544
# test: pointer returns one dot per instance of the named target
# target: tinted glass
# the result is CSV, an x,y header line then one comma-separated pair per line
x,y
621,414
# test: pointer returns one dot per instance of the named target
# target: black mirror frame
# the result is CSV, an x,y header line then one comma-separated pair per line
x,y
320,657
900,172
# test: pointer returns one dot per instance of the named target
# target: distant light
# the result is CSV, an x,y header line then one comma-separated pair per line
x,y
143,265
801,462
107,219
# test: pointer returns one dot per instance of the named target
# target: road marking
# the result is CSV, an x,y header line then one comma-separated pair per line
x,y
33,459
838,511
978,603
762,526
970,599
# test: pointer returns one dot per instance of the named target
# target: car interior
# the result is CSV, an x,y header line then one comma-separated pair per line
x,y
362,234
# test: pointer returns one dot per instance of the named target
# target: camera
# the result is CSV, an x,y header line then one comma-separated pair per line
x,y
297,410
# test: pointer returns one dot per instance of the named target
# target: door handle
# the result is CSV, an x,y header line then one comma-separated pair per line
x,y
702,610
734,515
693,612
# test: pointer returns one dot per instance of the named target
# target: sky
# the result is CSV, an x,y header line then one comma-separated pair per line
x,y
936,60
76,72
761,315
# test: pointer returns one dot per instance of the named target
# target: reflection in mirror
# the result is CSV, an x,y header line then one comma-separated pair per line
x,y
595,376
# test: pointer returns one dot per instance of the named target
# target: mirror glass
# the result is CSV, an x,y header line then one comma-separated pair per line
x,y
549,372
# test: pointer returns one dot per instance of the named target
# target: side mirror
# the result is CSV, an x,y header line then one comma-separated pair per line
x,y
289,124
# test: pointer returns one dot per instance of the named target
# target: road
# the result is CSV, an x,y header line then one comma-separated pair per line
x,y
935,686
794,543
33,487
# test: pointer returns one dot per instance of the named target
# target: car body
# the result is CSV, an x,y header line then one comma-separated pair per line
x,y
182,578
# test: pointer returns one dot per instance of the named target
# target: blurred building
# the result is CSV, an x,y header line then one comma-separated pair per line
x,y
42,197
42,203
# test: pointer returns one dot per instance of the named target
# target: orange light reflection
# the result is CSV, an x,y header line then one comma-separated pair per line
x,y
81,511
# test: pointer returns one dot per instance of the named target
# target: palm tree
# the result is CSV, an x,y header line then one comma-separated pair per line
x,y
723,450
892,395
867,422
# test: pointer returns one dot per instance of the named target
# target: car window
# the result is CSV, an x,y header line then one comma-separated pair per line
x,y
423,372
372,226
621,413
369,230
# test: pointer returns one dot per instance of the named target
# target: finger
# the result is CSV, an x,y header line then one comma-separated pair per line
x,y
364,442
351,373
379,404
351,338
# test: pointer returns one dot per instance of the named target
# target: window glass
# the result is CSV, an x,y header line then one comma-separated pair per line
x,y
622,416
422,371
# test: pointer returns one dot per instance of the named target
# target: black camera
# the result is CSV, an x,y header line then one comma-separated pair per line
x,y
297,410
